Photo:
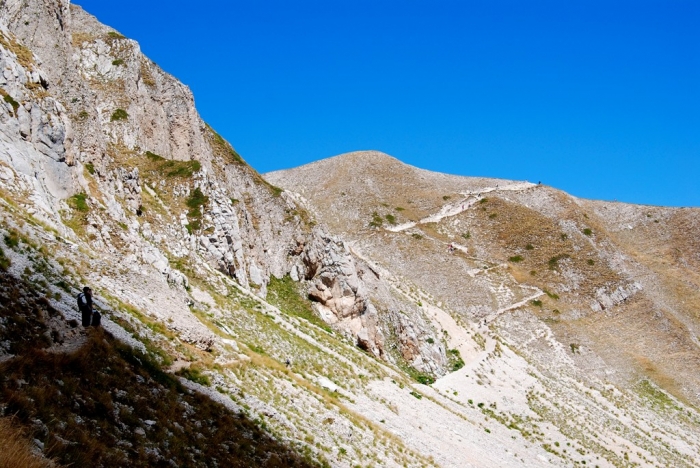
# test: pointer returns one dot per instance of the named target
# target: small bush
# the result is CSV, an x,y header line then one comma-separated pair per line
x,y
493,215
430,341
483,200
417,395
5,262
551,294
8,99
79,202
416,236
554,261
119,114
377,220
83,115
563,236
529,247
515,259
195,202
390,218
588,231
195,375
118,62
536,303
90,168
446,197
12,239
425,379
467,235
456,361
590,262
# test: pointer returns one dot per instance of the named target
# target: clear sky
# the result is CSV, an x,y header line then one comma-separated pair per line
x,y
600,98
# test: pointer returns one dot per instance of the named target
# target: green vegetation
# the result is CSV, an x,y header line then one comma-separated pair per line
x,y
456,361
195,202
483,200
285,295
551,294
8,99
5,262
174,168
563,236
223,149
416,394
12,239
83,115
195,375
493,215
119,114
115,35
467,235
430,340
575,348
588,231
79,202
117,62
516,259
398,208
415,235
390,218
536,303
529,247
446,197
377,220
554,261
90,168
590,261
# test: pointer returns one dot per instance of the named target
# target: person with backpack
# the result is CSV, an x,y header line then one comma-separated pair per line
x,y
89,316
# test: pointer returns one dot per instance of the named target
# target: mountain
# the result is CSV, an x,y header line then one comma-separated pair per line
x,y
352,312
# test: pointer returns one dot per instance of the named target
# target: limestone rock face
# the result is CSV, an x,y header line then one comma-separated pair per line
x,y
339,296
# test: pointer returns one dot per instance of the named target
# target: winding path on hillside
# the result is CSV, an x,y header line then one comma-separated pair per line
x,y
469,200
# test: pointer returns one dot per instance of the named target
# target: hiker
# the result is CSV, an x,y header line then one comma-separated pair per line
x,y
287,362
85,305
90,316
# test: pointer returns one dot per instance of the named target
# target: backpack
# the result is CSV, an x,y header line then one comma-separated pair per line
x,y
82,303
96,319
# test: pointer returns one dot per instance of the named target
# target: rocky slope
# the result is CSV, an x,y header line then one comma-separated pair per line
x,y
560,331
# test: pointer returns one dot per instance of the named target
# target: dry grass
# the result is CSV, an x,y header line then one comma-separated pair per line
x,y
15,448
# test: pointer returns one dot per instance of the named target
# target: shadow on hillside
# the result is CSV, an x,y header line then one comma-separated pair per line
x,y
107,405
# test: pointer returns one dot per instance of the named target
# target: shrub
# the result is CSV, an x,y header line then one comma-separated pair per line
x,y
90,168
588,231
12,239
467,235
590,261
536,303
563,236
390,218
377,220
493,215
430,341
195,375
417,395
119,114
8,99
554,261
118,62
416,236
529,247
515,259
483,200
456,361
5,262
551,294
83,115
195,202
446,197
79,202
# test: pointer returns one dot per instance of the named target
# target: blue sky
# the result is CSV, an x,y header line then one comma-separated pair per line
x,y
598,98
